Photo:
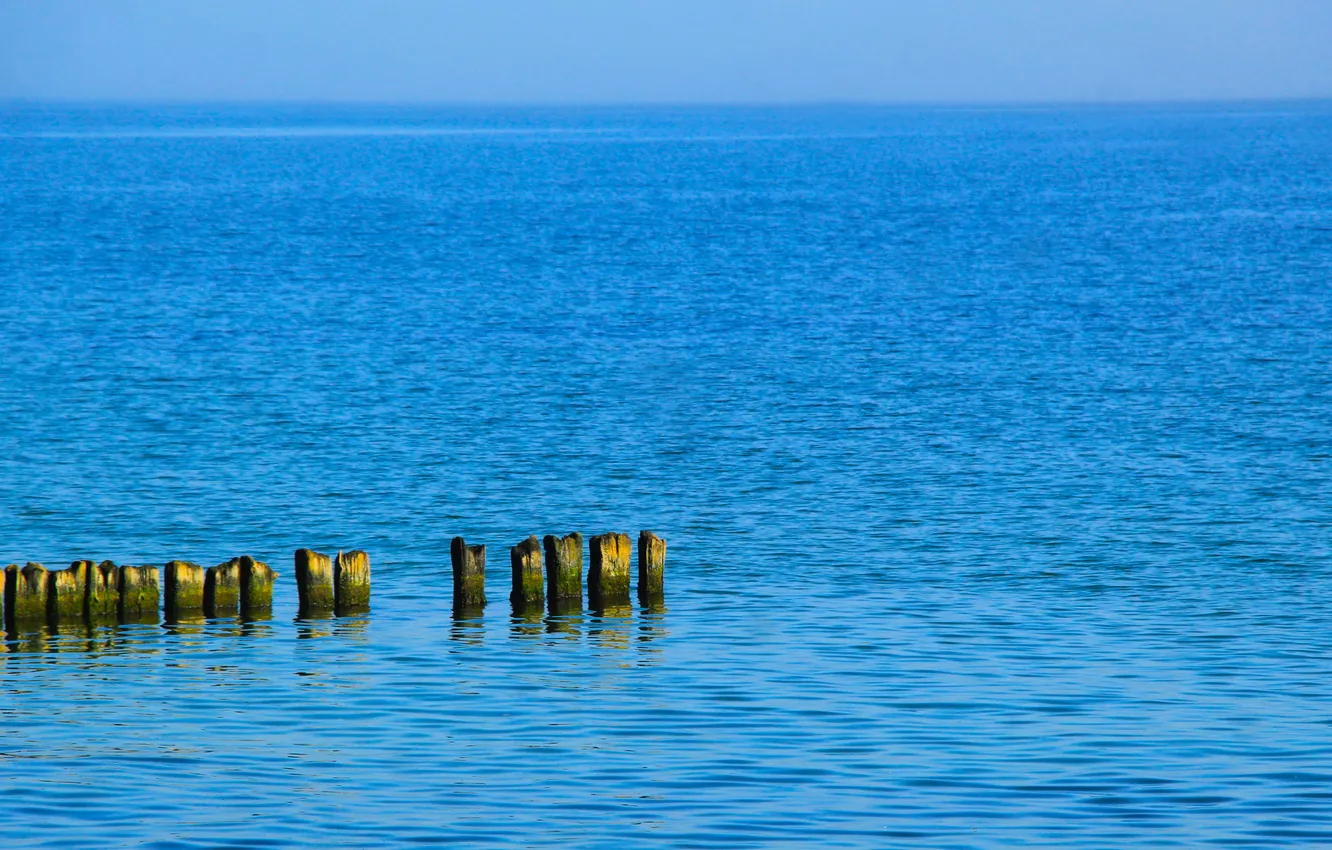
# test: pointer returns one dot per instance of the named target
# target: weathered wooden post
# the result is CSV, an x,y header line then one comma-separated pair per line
x,y
314,583
221,595
469,575
351,582
103,592
529,584
25,595
564,572
183,584
651,568
608,576
139,594
67,593
256,587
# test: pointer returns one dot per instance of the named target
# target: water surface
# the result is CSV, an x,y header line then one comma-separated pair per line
x,y
992,449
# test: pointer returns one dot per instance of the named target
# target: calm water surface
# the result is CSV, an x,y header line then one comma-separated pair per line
x,y
992,449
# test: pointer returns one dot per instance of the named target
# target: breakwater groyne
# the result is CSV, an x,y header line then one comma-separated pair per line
x,y
546,575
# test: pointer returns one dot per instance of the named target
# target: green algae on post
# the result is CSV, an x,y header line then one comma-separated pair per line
x,y
314,582
184,587
529,589
469,574
651,568
67,593
221,596
25,594
103,592
256,587
351,582
139,594
564,572
608,575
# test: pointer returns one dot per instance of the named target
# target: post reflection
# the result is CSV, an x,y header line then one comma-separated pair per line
x,y
527,620
610,628
468,623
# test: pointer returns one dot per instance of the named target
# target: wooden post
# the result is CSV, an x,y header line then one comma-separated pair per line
x,y
608,577
651,568
314,583
529,585
564,576
351,582
184,587
139,593
67,593
469,575
25,595
103,592
221,596
256,587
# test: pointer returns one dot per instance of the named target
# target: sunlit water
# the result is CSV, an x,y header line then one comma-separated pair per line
x,y
992,449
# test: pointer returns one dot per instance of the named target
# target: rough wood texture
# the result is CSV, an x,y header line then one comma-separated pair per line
x,y
469,574
651,568
103,592
183,584
608,575
529,584
256,586
314,582
564,572
221,596
67,593
139,593
25,594
351,582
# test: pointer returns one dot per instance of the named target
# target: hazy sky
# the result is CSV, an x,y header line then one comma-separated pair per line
x,y
665,50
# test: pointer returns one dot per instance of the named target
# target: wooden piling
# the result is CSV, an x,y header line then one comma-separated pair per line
x,y
351,582
608,575
103,592
25,595
139,593
651,568
529,588
314,583
256,587
469,574
183,583
564,572
67,593
221,595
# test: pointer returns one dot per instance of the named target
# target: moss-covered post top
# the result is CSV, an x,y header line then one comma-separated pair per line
x,y
314,582
140,593
564,571
469,574
651,568
529,584
351,582
183,584
608,575
221,597
256,586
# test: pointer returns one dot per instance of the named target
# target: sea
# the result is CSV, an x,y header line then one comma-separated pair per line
x,y
992,448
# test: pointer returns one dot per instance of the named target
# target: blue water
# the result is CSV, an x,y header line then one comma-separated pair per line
x,y
992,448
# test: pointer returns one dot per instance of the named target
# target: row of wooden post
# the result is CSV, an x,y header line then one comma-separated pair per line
x,y
95,593
92,592
561,586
